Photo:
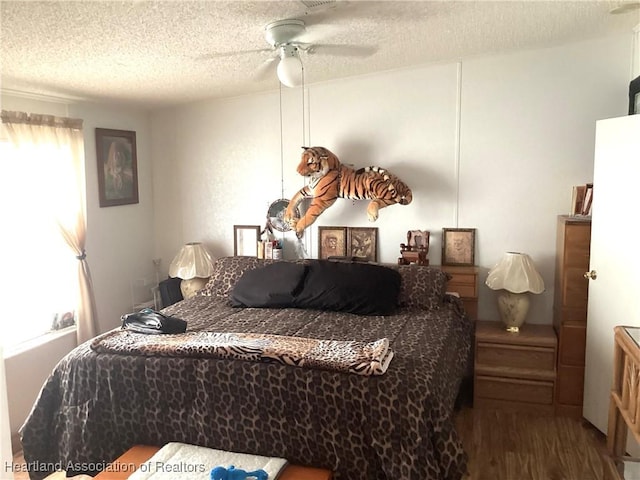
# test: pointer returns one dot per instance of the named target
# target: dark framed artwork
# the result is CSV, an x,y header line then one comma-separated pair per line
x,y
634,96
245,240
117,167
332,242
458,246
363,243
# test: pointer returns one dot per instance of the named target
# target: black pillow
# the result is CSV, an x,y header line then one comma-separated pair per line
x,y
271,286
359,288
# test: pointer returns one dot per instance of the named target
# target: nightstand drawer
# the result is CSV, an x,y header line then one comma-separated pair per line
x,y
515,356
462,278
527,391
465,291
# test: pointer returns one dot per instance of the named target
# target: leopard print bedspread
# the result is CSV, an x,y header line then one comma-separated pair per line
x,y
362,358
395,426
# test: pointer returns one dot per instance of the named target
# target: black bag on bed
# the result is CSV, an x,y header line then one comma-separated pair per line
x,y
150,321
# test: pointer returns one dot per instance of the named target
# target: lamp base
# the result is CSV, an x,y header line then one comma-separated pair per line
x,y
191,286
513,309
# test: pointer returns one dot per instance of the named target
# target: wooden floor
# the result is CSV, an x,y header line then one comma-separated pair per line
x,y
516,446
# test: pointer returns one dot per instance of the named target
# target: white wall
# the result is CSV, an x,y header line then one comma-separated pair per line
x,y
492,143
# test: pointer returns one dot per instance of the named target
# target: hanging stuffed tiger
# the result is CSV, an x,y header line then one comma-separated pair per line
x,y
331,180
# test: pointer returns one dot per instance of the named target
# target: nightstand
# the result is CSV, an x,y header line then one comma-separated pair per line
x,y
515,370
464,282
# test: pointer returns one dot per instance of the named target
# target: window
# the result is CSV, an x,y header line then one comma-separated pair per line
x,y
40,284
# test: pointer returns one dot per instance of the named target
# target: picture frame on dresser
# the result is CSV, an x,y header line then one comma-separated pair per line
x,y
332,242
245,240
458,246
363,243
117,167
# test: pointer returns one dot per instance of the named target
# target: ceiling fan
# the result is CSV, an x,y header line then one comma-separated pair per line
x,y
285,46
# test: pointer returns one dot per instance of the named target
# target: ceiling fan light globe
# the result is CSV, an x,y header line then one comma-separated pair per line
x,y
290,71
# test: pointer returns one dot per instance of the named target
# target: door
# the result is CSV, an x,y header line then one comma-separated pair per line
x,y
614,295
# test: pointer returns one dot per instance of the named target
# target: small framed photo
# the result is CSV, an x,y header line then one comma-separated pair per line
x,y
363,243
417,239
332,242
458,246
117,167
245,240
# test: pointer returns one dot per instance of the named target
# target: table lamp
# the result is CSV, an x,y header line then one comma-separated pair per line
x,y
194,265
515,276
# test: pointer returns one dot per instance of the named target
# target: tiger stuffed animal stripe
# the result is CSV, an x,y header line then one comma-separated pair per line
x,y
331,180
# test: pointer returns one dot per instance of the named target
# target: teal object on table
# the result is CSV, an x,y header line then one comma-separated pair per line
x,y
233,473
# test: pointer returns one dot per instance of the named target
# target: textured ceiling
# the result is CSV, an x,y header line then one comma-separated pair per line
x,y
153,54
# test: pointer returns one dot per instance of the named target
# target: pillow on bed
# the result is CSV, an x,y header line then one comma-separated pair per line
x,y
359,288
271,286
422,286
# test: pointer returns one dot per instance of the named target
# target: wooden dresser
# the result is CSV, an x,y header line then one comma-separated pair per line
x,y
514,370
570,311
464,281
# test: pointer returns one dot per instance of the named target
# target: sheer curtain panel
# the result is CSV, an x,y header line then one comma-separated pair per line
x,y
52,149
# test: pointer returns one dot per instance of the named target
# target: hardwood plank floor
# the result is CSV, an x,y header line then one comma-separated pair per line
x,y
515,446
518,446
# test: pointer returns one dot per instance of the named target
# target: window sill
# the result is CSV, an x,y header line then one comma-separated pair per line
x,y
15,350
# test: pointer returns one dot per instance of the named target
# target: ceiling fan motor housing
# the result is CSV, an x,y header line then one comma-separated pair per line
x,y
283,31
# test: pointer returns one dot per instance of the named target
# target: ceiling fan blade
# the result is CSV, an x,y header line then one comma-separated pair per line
x,y
339,50
266,69
209,56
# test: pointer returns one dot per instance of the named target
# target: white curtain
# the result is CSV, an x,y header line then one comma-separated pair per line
x,y
5,430
55,147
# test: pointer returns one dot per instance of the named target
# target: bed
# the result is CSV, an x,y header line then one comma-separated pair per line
x,y
97,403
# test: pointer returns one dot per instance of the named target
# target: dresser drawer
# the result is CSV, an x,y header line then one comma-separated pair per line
x,y
575,288
572,315
573,340
465,291
578,257
462,283
515,356
577,245
526,391
462,278
570,385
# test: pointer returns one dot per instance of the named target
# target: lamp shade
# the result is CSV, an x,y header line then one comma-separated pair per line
x,y
192,261
515,273
290,67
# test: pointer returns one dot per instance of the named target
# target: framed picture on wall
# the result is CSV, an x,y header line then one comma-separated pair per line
x,y
363,243
117,167
332,242
458,246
